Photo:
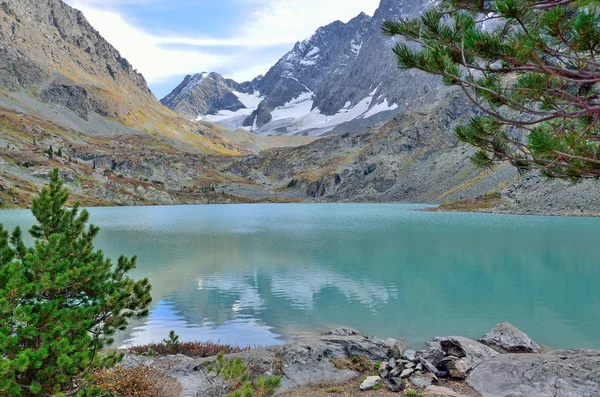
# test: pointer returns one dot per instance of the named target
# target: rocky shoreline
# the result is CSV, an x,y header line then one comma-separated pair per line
x,y
503,363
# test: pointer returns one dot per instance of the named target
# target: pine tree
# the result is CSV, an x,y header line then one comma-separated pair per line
x,y
532,69
60,300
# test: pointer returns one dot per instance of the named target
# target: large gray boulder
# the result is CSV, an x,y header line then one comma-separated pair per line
x,y
562,373
507,337
342,331
471,352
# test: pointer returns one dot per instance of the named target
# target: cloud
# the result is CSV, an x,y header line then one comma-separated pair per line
x,y
149,53
288,21
269,25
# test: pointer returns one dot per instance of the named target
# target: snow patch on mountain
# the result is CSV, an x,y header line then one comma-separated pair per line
x,y
235,120
251,101
295,108
380,107
301,116
355,46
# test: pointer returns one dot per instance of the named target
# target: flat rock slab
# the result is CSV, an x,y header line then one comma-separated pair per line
x,y
561,373
303,363
436,391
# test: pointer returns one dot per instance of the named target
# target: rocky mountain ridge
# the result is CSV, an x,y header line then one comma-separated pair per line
x,y
207,94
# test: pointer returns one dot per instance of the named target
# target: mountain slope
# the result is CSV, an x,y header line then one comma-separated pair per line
x,y
343,78
69,100
417,158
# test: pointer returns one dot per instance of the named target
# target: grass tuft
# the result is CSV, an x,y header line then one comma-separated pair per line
x,y
135,382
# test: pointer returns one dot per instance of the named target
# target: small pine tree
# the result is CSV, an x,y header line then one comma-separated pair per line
x,y
50,152
59,152
60,300
173,342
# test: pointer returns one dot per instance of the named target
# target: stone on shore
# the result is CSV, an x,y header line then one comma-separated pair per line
x,y
392,363
407,372
430,367
370,383
409,355
384,370
508,338
342,331
561,373
395,385
420,381
437,391
397,351
434,355
473,352
457,367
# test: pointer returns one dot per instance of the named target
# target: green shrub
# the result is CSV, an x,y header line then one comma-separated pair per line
x,y
334,390
60,301
413,393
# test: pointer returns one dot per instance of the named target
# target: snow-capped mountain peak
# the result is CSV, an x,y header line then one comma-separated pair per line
x,y
342,78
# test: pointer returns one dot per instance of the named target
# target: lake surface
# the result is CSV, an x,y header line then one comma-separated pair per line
x,y
256,274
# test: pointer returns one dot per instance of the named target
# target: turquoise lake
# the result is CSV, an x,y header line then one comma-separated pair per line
x,y
258,274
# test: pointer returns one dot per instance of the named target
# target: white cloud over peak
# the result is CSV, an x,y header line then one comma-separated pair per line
x,y
146,51
161,56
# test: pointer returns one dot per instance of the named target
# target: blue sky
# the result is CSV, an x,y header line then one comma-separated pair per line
x,y
167,39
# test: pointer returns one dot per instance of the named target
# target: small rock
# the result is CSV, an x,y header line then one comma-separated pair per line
x,y
430,367
370,383
509,338
419,367
409,365
342,331
392,363
457,367
434,379
406,373
397,351
420,381
384,370
409,355
434,355
395,385
396,371
436,391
